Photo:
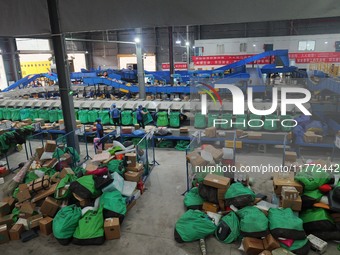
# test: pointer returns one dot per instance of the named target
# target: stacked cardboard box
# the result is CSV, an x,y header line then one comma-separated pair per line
x,y
222,184
254,246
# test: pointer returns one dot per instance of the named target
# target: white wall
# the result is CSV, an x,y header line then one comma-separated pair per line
x,y
79,61
149,62
32,44
3,78
34,57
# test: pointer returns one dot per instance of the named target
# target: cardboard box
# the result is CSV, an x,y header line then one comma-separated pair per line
x,y
27,121
290,156
210,207
295,205
39,184
66,158
279,183
133,176
137,168
216,153
39,151
127,130
270,243
45,225
196,160
112,228
45,193
33,221
289,193
50,163
252,246
4,237
254,135
136,126
210,132
7,220
230,144
15,231
82,202
221,199
65,172
10,201
97,158
281,251
239,133
4,208
27,208
23,193
50,146
265,252
217,181
131,159
184,130
49,207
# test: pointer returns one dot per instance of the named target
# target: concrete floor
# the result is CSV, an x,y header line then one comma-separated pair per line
x,y
149,226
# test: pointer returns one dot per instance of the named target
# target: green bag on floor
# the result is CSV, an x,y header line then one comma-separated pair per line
x,y
182,145
165,144
15,114
253,222
90,230
7,114
44,114
193,225
63,182
53,115
162,119
284,223
84,187
269,124
83,116
1,113
114,205
65,223
192,200
228,117
299,247
116,166
93,115
24,114
241,121
105,117
317,219
239,195
256,121
228,229
200,121
289,123
126,117
175,119
312,179
211,118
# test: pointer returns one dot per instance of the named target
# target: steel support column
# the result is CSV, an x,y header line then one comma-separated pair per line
x,y
140,64
171,55
187,43
58,41
14,59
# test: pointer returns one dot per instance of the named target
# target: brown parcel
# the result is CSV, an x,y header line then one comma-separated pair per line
x,y
112,228
49,207
252,246
270,243
196,160
133,176
50,146
23,193
137,168
66,171
289,193
217,181
4,208
279,183
210,207
295,205
254,135
39,151
265,252
45,225
10,201
27,208
39,184
33,221
50,162
7,220
15,231
45,193
210,132
4,237
216,153
290,156
131,159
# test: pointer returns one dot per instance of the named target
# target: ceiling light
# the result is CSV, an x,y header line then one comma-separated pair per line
x,y
178,41
187,43
254,45
137,40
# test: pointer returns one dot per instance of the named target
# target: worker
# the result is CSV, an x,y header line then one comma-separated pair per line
x,y
115,115
99,143
140,117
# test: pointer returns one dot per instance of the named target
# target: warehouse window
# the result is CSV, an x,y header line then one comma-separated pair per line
x,y
306,45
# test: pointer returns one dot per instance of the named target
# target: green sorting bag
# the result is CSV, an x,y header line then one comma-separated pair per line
x,y
175,119
241,122
253,222
116,166
44,114
114,205
239,195
192,200
34,114
270,122
317,219
162,119
309,198
24,114
1,113
83,116
255,122
65,223
200,121
126,117
228,117
104,116
7,114
90,230
60,114
53,115
92,116
193,225
182,145
15,114
312,178
299,247
284,223
84,187
287,122
211,118
228,229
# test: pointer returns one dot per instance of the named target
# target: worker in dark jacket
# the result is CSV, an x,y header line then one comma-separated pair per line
x,y
99,128
140,116
115,115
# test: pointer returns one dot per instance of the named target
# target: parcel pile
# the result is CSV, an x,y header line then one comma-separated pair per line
x,y
83,205
303,216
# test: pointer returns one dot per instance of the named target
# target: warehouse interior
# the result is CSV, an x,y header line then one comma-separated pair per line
x,y
155,127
